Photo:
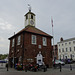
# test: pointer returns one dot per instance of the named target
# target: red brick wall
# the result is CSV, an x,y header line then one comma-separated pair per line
x,y
30,50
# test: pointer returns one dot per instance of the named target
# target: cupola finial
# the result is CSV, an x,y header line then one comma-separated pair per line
x,y
29,7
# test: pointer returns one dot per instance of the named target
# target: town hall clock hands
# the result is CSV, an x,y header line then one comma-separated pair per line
x,y
32,22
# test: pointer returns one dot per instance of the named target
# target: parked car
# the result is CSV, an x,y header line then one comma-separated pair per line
x,y
3,61
57,62
68,61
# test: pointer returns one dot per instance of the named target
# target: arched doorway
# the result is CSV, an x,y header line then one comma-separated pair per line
x,y
39,58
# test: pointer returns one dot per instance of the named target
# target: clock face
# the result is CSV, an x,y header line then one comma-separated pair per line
x,y
32,22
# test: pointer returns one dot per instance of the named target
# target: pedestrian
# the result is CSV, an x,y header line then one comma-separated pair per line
x,y
60,66
70,67
54,64
7,66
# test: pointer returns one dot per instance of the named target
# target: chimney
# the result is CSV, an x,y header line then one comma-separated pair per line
x,y
61,39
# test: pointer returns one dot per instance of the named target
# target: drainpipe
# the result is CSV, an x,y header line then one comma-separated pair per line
x,y
14,49
23,50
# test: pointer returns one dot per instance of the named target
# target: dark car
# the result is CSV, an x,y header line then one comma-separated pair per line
x,y
68,61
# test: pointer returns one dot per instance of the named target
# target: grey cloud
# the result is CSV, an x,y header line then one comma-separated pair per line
x,y
13,11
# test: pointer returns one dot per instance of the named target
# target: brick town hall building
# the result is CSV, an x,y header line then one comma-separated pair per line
x,y
30,45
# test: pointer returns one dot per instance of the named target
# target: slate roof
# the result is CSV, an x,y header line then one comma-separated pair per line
x,y
32,29
67,40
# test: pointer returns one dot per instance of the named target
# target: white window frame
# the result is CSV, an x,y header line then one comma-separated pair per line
x,y
18,40
33,39
44,39
13,41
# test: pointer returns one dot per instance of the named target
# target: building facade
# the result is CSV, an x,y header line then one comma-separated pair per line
x,y
66,49
30,45
55,52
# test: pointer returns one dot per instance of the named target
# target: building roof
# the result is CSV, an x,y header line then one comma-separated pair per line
x,y
71,39
32,29
29,13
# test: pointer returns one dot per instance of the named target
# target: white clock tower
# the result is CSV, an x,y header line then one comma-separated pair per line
x,y
29,18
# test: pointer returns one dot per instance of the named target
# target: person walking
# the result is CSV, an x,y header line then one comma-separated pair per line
x,y
60,66
70,67
7,66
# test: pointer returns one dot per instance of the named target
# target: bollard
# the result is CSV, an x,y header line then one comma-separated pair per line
x,y
70,67
44,69
26,68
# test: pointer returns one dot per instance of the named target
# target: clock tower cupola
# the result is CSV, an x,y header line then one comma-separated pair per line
x,y
29,18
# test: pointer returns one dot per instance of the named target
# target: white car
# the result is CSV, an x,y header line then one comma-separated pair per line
x,y
57,62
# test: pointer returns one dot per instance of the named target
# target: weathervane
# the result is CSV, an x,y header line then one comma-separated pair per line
x,y
29,7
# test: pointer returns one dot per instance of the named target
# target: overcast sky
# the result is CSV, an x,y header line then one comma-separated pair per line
x,y
12,18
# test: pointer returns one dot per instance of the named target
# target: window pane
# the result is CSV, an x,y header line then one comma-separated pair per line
x,y
13,42
74,42
44,41
62,44
33,39
62,49
59,50
70,49
74,48
65,43
66,50
31,16
69,42
26,16
18,40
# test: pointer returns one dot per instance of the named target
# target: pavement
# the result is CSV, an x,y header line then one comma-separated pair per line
x,y
50,71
